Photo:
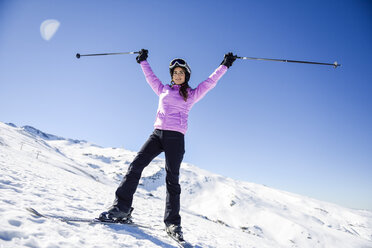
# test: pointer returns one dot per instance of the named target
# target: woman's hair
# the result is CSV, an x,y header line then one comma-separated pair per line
x,y
183,89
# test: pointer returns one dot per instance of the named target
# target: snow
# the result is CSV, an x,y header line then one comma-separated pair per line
x,y
76,178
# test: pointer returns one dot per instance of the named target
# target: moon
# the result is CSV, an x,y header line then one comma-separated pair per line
x,y
48,28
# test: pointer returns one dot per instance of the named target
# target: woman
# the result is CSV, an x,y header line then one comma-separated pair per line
x,y
175,102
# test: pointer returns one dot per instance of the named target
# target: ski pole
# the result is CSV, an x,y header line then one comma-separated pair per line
x,y
78,55
335,64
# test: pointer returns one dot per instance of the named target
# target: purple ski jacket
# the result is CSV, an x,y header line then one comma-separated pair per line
x,y
173,111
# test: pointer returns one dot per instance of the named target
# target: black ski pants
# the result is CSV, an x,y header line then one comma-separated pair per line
x,y
172,143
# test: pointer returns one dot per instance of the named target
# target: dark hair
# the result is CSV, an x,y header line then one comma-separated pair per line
x,y
183,89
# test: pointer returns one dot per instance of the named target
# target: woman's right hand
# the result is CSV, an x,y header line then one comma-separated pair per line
x,y
143,54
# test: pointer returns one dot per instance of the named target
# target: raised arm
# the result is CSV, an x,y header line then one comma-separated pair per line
x,y
202,89
151,78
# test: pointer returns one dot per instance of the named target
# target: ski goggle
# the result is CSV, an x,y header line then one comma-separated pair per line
x,y
181,63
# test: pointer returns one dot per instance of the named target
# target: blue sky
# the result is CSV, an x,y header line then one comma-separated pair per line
x,y
300,128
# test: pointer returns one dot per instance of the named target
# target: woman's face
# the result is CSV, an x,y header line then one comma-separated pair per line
x,y
178,75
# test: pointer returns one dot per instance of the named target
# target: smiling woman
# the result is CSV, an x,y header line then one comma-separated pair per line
x,y
296,127
48,28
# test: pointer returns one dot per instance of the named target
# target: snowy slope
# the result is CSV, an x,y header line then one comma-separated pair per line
x,y
77,178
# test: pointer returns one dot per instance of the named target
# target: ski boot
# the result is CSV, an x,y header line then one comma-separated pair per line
x,y
175,232
114,214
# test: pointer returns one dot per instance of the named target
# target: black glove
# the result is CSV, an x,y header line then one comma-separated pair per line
x,y
228,59
143,54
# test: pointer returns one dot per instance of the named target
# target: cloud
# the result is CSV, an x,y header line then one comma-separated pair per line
x,y
48,28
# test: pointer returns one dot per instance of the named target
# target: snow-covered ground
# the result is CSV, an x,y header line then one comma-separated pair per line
x,y
76,178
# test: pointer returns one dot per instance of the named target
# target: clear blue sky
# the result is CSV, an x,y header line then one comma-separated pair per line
x,y
301,128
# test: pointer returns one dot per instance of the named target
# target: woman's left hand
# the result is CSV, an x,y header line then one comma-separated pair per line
x,y
228,59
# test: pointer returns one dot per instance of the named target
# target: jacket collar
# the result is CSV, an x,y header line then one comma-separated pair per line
x,y
176,86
